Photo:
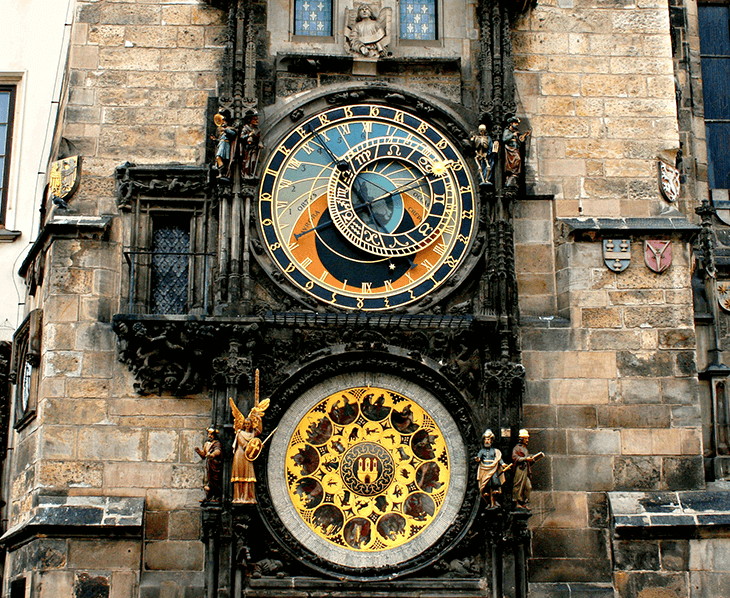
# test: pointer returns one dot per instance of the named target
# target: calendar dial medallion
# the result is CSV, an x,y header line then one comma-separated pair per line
x,y
367,207
368,469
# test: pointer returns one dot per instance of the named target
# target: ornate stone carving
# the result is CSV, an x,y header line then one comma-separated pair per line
x,y
367,35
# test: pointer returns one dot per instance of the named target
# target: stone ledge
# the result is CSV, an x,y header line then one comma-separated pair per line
x,y
600,227
79,515
571,590
64,226
649,512
8,236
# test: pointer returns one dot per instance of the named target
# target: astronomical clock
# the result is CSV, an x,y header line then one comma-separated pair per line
x,y
371,208
367,207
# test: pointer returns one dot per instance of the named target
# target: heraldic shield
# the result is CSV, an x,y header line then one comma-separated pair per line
x,y
658,255
64,179
617,254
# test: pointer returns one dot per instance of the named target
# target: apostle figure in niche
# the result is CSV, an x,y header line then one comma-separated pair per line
x,y
490,473
366,34
522,460
513,140
246,447
212,452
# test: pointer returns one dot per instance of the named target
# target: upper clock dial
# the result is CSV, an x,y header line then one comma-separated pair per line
x,y
367,207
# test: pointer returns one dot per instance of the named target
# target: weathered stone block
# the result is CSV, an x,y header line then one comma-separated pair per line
x,y
570,543
634,416
674,554
111,444
641,390
591,474
683,473
162,445
156,525
130,14
637,473
579,392
613,339
88,387
677,390
75,412
683,338
666,442
636,554
61,308
644,364
65,474
578,416
686,416
171,499
658,317
550,441
600,317
185,525
137,475
655,584
706,584
568,510
104,554
53,584
636,442
187,476
174,556
58,442
598,515
124,584
594,442
569,570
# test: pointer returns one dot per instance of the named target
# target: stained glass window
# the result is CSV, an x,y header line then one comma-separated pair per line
x,y
418,19
714,23
313,17
170,247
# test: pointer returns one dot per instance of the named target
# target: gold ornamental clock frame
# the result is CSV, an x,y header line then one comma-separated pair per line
x,y
368,205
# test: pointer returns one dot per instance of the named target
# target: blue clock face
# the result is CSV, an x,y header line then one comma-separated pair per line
x,y
367,207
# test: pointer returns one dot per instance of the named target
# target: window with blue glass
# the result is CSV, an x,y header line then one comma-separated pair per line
x,y
313,17
714,21
418,20
7,105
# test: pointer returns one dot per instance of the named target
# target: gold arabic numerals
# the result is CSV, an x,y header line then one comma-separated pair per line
x,y
348,112
399,117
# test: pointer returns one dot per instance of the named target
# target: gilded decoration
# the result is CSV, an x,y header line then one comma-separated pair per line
x,y
367,469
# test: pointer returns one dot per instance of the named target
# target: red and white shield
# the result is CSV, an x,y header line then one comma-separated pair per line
x,y
658,255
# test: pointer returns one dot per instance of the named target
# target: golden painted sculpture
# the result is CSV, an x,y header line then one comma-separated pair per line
x,y
246,448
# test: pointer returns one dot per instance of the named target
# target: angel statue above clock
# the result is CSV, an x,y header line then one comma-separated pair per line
x,y
366,34
246,448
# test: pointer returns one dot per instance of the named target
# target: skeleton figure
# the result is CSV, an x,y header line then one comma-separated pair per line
x,y
365,34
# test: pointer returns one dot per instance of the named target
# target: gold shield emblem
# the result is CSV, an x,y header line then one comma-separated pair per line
x,y
64,179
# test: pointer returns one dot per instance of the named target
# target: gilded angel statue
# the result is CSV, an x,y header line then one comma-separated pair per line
x,y
366,34
246,448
